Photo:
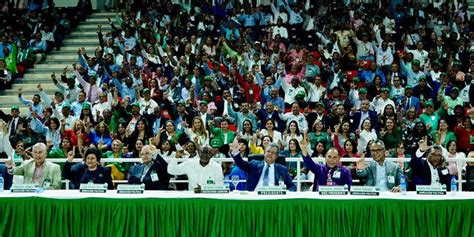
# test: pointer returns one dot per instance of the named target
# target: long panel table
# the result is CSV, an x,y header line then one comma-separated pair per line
x,y
158,213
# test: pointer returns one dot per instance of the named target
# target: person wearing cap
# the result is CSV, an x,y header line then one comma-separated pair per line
x,y
430,118
13,121
217,146
90,171
423,91
86,114
199,171
409,100
357,93
104,103
291,90
35,103
452,100
382,100
419,54
69,89
66,118
147,104
414,73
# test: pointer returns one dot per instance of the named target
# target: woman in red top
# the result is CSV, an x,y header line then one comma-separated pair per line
x,y
465,136
77,130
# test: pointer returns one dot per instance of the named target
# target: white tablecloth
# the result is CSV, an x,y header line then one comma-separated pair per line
x,y
75,194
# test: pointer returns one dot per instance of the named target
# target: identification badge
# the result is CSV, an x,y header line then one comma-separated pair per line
x,y
391,179
154,177
46,183
471,140
444,172
337,174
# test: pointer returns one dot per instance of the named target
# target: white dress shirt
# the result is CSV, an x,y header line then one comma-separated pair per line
x,y
381,178
197,174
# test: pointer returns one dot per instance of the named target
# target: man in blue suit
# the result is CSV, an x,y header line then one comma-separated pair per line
x,y
432,170
7,178
262,173
409,100
358,117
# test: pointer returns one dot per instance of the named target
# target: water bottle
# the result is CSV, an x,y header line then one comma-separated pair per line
x,y
403,185
329,180
281,183
2,182
454,186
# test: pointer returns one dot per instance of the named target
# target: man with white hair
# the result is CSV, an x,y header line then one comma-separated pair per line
x,y
38,170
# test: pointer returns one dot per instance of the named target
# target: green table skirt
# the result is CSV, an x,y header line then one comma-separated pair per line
x,y
35,216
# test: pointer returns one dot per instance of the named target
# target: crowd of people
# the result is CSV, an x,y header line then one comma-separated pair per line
x,y
29,31
180,84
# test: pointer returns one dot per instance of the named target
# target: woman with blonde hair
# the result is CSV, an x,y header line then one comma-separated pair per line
x,y
198,133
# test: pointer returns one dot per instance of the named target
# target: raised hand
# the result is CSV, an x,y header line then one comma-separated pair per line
x,y
235,145
40,88
361,162
423,144
70,154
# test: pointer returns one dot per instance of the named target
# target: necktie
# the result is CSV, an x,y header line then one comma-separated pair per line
x,y
265,175
13,127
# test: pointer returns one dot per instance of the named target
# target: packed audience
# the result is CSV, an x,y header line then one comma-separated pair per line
x,y
29,31
178,85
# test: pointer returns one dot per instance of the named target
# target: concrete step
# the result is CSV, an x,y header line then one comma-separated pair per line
x,y
60,56
101,15
100,20
94,40
93,27
79,44
80,35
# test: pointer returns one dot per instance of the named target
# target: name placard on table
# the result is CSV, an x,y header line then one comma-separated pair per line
x,y
333,190
213,189
93,188
24,188
431,190
130,188
276,190
365,191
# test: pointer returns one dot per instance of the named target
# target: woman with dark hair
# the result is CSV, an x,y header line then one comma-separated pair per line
x,y
443,136
341,134
292,132
121,131
413,137
135,150
167,150
260,149
318,133
390,134
141,132
169,133
51,131
350,151
320,150
247,130
62,152
366,134
451,152
270,131
86,115
87,172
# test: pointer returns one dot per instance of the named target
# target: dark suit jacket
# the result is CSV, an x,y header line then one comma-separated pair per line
x,y
355,119
415,102
422,173
159,166
254,170
78,173
7,178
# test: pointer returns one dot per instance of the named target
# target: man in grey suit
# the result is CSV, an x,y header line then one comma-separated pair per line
x,y
38,170
380,173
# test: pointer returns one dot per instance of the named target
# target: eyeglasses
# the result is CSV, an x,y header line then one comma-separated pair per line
x,y
376,150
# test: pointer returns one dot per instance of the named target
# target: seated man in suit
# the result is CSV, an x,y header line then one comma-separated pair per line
x,y
432,170
358,117
152,172
7,178
409,100
380,173
262,173
332,171
38,170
